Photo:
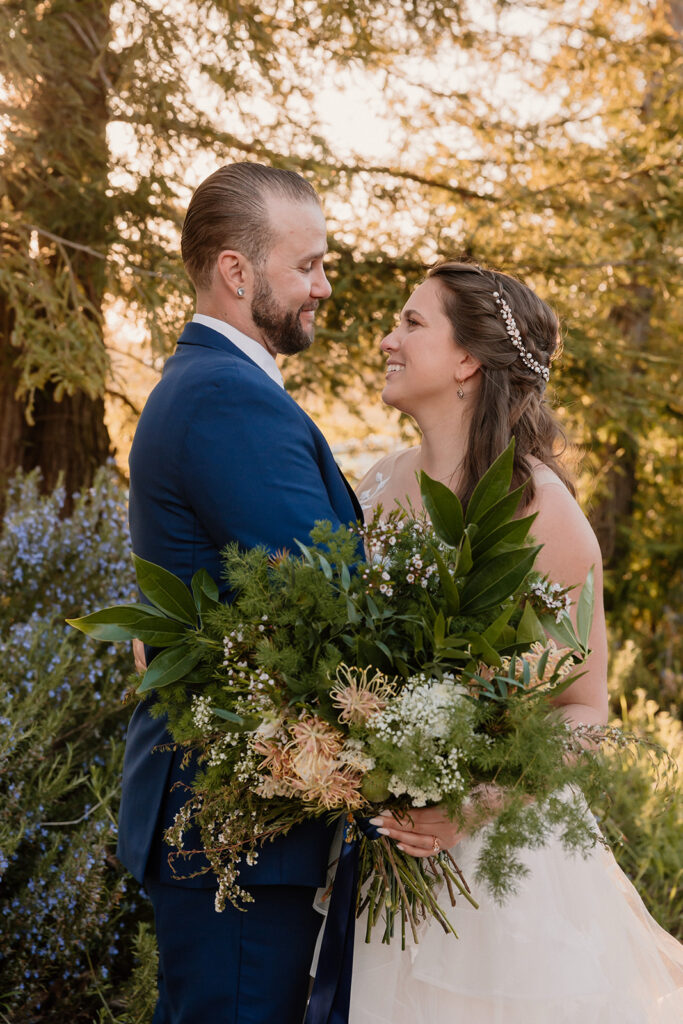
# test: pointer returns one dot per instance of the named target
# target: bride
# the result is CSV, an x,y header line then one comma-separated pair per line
x,y
469,361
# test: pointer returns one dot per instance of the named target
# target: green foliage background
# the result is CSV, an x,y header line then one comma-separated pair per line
x,y
542,138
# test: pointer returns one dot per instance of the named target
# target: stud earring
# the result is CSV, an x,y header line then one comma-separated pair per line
x,y
240,292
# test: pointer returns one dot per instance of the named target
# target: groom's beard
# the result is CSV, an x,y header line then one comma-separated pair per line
x,y
283,330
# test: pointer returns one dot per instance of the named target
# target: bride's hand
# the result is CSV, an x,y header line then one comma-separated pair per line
x,y
426,830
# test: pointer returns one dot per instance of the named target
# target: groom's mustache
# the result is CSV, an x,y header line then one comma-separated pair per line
x,y
310,307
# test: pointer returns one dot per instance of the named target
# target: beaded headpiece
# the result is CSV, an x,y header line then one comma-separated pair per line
x,y
516,339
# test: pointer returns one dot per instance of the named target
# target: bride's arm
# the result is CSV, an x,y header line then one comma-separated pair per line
x,y
570,549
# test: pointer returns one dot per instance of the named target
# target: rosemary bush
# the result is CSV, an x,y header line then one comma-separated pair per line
x,y
69,935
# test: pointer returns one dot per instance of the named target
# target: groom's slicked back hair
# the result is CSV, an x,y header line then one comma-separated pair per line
x,y
229,210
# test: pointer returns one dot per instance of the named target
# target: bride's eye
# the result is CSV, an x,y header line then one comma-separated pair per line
x,y
411,322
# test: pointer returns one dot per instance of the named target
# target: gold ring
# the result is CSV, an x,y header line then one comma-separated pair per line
x,y
437,845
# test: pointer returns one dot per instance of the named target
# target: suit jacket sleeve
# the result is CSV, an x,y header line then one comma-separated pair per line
x,y
252,464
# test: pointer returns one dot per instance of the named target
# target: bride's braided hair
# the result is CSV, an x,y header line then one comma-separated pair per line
x,y
511,399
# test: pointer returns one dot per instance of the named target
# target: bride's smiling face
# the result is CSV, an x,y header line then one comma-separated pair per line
x,y
424,362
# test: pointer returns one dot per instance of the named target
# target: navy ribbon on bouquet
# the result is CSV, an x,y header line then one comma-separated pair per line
x,y
331,995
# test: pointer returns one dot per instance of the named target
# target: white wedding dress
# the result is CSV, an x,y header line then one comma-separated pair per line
x,y
576,945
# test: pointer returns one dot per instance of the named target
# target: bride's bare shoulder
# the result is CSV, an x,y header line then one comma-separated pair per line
x,y
560,522
543,475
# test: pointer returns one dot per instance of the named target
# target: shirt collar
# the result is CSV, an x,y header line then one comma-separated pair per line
x,y
255,351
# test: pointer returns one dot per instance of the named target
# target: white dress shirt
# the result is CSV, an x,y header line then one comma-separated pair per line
x,y
253,349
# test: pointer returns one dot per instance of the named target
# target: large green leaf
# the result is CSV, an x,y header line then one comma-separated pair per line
x,y
229,716
499,514
170,667
497,580
497,627
542,662
448,587
205,592
306,553
443,508
452,642
128,622
352,613
325,566
506,639
166,591
493,486
464,562
529,629
584,610
512,533
385,650
480,648
562,632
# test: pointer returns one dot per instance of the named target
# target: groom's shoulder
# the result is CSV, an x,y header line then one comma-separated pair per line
x,y
198,363
193,373
208,385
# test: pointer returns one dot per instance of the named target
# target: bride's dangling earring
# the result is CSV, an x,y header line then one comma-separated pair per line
x,y
460,393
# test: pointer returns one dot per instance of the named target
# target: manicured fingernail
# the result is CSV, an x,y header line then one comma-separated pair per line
x,y
376,821
383,831
400,846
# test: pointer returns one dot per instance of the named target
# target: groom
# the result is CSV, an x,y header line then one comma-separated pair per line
x,y
222,453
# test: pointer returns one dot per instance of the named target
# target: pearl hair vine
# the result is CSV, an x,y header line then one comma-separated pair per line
x,y
516,339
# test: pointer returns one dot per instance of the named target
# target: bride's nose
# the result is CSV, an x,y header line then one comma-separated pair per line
x,y
389,343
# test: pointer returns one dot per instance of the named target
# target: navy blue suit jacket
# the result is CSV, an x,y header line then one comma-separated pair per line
x,y
221,453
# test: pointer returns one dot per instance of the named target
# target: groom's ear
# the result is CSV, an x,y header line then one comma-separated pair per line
x,y
234,270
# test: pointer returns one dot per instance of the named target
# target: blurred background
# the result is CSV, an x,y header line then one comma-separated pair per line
x,y
542,138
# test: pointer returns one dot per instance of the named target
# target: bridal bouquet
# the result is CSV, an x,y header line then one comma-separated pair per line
x,y
334,687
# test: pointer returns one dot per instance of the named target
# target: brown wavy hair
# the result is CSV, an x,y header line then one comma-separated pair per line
x,y
511,400
229,210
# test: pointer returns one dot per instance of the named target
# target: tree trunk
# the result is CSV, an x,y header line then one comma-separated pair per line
x,y
612,517
55,170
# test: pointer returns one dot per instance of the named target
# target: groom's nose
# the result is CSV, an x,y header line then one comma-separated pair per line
x,y
320,286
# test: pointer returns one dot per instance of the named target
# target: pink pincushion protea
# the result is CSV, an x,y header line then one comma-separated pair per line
x,y
556,655
308,766
314,737
357,696
331,786
276,760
